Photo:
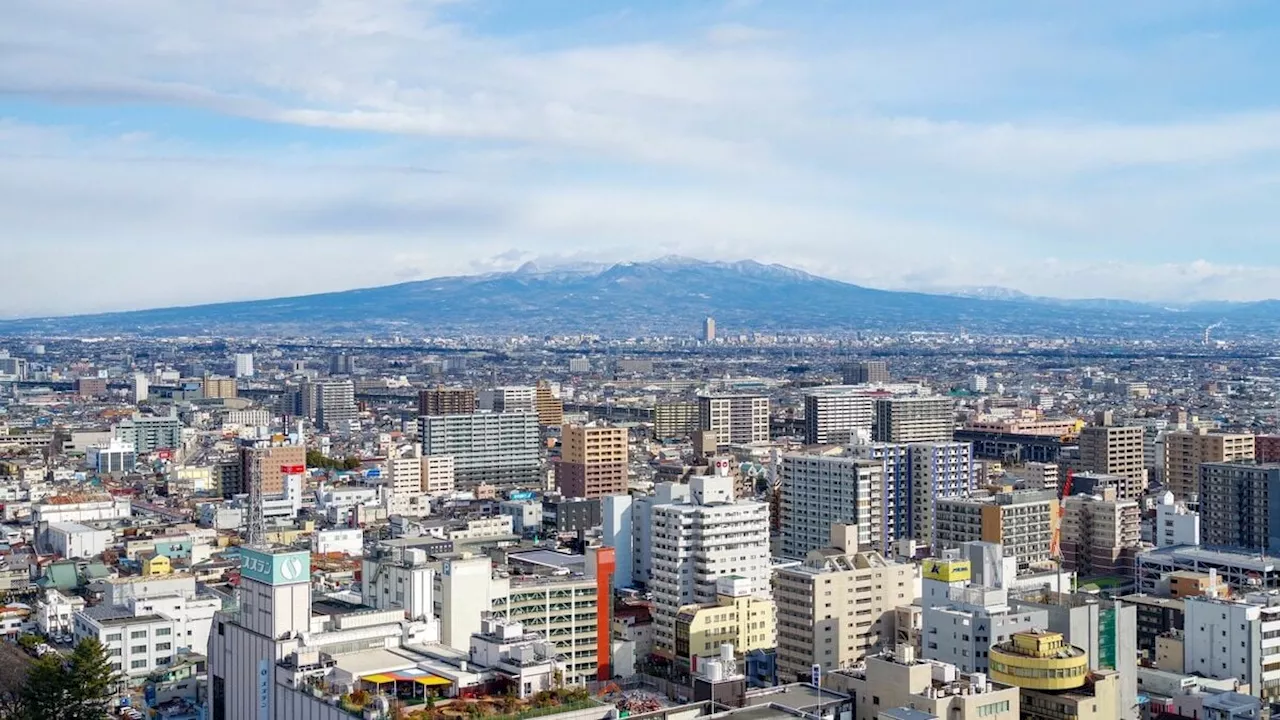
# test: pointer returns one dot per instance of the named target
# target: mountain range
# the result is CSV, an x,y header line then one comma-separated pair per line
x,y
668,296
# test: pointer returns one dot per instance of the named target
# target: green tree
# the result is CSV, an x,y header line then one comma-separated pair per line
x,y
45,693
351,463
91,680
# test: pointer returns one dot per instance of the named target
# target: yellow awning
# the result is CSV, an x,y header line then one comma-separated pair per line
x,y
432,680
378,679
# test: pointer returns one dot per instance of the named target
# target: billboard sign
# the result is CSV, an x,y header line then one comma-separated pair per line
x,y
285,568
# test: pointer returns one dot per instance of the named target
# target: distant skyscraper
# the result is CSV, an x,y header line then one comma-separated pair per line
x,y
709,330
141,387
867,371
244,365
549,405
335,405
342,365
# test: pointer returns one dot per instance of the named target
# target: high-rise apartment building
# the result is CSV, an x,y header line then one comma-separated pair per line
x,y
832,414
936,471
342,364
735,419
244,365
837,607
335,405
446,401
1230,640
1185,452
510,398
697,541
819,491
1116,450
593,461
867,371
675,420
912,419
91,387
548,404
149,433
141,388
1021,521
1100,534
1240,506
709,330
498,448
212,386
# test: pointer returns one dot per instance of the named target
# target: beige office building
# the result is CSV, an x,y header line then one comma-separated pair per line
x,y
899,680
1185,452
1100,534
218,387
837,607
437,474
549,406
1116,450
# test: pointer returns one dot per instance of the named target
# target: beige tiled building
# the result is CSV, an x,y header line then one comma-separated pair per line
x,y
1185,452
1116,450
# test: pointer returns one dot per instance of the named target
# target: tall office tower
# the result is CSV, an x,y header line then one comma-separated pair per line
x,y
832,414
437,474
709,330
1240,506
244,365
867,371
446,401
141,388
593,461
1116,450
819,491
550,407
914,419
1021,521
510,398
264,463
150,433
862,589
937,471
1100,534
675,420
335,405
273,613
500,449
735,419
218,387
697,541
1185,452
342,364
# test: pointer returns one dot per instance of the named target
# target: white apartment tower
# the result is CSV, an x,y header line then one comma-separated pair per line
x,y
819,491
699,540
244,365
735,419
831,414
498,448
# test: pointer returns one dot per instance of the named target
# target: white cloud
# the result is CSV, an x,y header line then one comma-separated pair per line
x,y
894,149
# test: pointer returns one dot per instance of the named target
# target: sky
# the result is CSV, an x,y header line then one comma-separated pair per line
x,y
155,153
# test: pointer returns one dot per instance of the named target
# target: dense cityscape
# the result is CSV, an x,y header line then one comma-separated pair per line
x,y
727,523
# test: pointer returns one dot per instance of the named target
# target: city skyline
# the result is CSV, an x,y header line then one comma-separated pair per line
x,y
1073,152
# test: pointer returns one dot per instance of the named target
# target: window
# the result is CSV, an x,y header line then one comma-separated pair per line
x,y
113,637
162,646
138,649
137,634
161,632
137,664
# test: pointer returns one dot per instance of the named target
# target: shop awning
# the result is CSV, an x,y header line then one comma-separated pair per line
x,y
432,680
378,679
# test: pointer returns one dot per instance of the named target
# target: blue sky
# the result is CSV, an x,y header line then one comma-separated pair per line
x,y
156,152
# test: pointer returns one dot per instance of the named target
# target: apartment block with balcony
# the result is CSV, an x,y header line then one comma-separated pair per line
x,y
1185,452
1022,521
1100,535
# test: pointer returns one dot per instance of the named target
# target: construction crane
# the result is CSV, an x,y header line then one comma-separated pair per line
x,y
1055,549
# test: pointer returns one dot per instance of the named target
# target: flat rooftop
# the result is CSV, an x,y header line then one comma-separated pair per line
x,y
797,696
549,559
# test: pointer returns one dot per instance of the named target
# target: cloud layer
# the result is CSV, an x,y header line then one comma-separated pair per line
x,y
157,153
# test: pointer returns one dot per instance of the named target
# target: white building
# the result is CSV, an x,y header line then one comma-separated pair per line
x,y
526,515
617,514
55,612
1225,639
735,419
937,470
978,383
135,644
498,448
108,509
75,541
819,491
347,541
1175,524
526,658
150,433
249,418
141,388
836,411
244,365
642,527
698,541
113,456
511,398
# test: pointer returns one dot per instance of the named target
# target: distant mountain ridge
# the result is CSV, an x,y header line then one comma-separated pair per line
x,y
667,296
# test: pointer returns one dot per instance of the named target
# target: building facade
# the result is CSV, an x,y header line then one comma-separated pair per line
x,y
593,461
1185,452
1116,450
913,419
735,419
500,449
1236,509
833,414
